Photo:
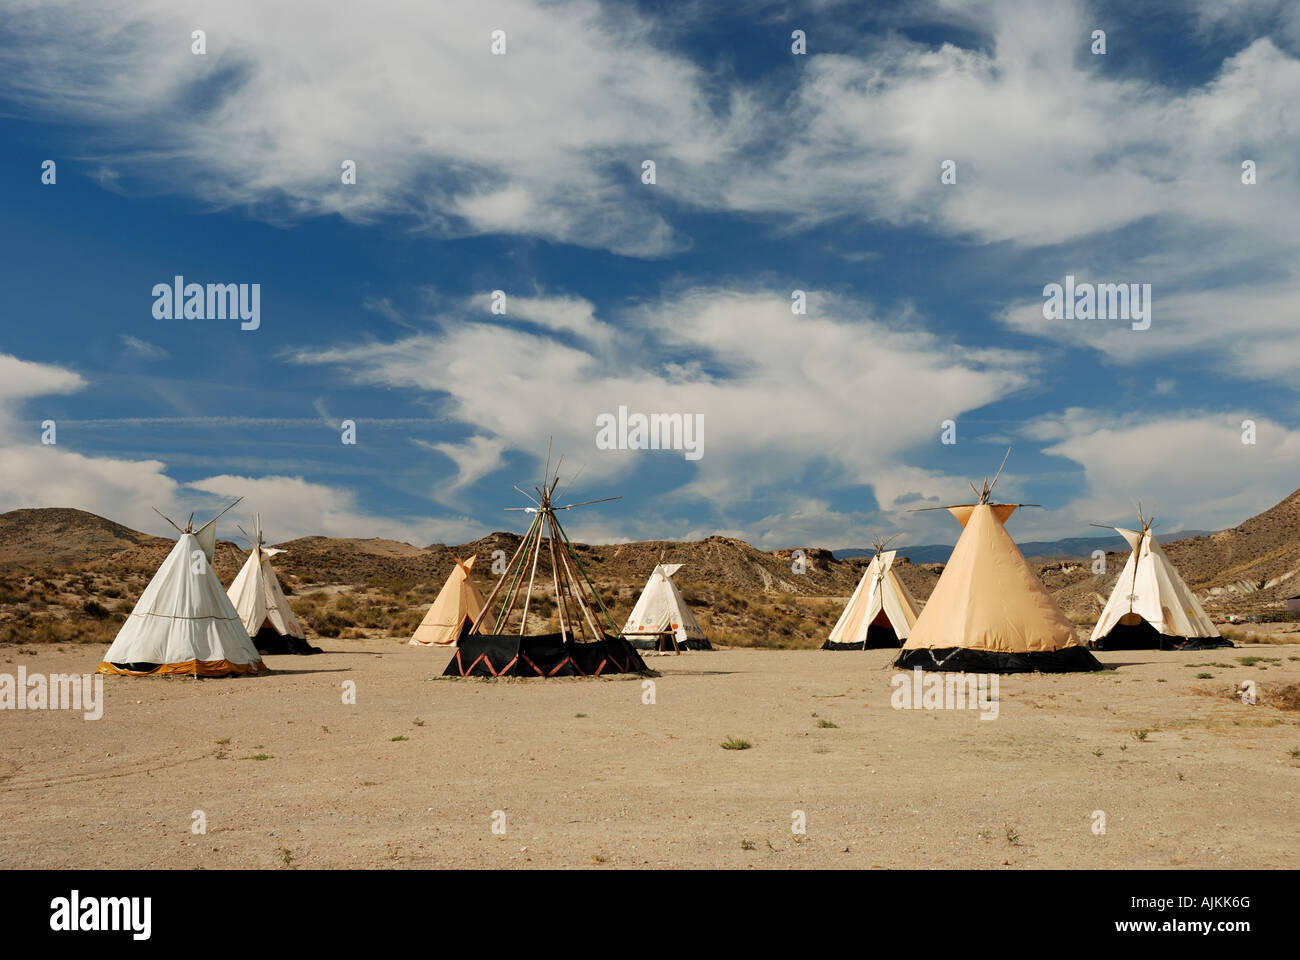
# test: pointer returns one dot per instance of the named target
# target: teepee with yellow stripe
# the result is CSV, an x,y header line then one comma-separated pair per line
x,y
184,624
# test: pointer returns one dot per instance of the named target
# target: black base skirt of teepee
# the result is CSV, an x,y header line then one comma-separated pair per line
x,y
1143,636
966,660
877,638
549,655
666,646
270,640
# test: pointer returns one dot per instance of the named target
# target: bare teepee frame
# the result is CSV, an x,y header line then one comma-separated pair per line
x,y
982,495
578,606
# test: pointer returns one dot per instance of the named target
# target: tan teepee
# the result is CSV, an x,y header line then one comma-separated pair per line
x,y
458,603
989,612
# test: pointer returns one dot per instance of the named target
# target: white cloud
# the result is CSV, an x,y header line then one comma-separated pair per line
x,y
1246,330
571,314
777,392
1191,470
143,349
475,458
546,140
20,379
293,507
33,474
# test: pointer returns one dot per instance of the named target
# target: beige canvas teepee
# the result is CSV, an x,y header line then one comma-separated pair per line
x,y
989,612
261,602
1151,606
661,619
458,603
881,611
184,624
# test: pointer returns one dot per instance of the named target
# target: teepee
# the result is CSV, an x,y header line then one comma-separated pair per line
x,y
492,647
261,603
989,612
458,603
881,611
1151,606
661,619
184,624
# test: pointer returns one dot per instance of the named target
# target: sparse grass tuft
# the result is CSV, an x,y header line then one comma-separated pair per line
x,y
828,724
734,743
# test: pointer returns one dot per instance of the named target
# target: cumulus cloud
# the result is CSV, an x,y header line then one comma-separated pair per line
x,y
1191,469
35,474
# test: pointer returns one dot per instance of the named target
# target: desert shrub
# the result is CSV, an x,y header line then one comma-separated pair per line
x,y
93,608
1286,698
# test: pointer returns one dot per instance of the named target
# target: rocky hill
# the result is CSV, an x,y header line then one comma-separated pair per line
x,y
62,559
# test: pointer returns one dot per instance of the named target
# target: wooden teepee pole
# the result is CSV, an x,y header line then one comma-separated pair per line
x,y
487,604
555,576
537,551
503,621
582,594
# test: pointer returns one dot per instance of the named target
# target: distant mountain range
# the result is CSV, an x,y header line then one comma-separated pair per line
x,y
1045,549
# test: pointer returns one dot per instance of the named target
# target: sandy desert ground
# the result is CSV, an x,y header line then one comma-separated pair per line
x,y
588,775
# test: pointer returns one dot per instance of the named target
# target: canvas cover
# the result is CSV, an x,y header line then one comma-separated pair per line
x,y
881,611
989,611
1149,590
457,603
259,599
661,608
183,623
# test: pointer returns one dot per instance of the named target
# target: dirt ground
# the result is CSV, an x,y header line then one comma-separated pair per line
x,y
587,775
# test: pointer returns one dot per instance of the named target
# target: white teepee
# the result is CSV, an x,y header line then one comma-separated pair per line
x,y
660,609
457,603
881,600
1149,589
184,624
257,594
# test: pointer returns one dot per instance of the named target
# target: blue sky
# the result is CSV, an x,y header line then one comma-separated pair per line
x,y
774,172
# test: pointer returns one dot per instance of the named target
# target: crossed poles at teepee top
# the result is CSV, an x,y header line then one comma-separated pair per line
x,y
574,592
